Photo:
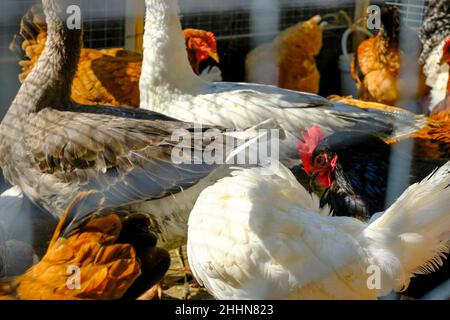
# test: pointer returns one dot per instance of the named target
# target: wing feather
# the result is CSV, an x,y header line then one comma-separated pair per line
x,y
241,105
126,159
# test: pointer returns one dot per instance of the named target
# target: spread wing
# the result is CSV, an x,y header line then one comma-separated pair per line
x,y
241,105
126,159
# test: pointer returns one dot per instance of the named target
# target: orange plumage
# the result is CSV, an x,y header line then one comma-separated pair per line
x,y
106,269
200,45
379,66
378,62
106,76
289,60
5,291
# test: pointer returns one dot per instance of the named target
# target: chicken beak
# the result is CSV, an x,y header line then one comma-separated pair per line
x,y
214,56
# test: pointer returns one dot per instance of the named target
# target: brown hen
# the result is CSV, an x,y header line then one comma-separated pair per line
x,y
106,76
376,65
106,269
289,60
90,264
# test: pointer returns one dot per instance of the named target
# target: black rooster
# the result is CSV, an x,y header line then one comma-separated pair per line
x,y
353,169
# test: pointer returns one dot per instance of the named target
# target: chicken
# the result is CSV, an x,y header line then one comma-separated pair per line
x,y
173,89
353,169
212,74
442,109
431,142
200,46
93,263
289,60
130,155
263,236
376,65
154,261
433,33
106,269
106,76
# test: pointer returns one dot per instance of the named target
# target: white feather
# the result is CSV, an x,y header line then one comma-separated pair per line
x,y
170,214
254,236
168,85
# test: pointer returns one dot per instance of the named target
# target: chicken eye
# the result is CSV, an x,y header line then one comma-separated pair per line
x,y
321,160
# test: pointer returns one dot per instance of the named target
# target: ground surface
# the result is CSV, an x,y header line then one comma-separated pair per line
x,y
173,285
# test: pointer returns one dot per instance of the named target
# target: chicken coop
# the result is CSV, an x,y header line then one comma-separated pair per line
x,y
361,86
236,25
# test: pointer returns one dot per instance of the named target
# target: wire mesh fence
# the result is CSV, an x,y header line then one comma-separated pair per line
x,y
104,22
231,21
234,19
411,11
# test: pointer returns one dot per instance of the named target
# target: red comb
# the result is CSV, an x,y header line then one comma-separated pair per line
x,y
213,42
447,44
446,52
312,137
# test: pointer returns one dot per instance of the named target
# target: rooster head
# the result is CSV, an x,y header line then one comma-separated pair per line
x,y
446,52
202,42
317,164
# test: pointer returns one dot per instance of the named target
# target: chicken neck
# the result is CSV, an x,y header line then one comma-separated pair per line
x,y
49,83
166,71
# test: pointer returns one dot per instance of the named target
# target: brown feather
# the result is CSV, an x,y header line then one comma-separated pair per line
x,y
104,77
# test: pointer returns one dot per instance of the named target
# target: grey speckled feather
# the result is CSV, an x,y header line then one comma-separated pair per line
x,y
435,27
53,149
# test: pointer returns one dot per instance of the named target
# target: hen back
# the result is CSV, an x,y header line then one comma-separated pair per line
x,y
289,60
376,65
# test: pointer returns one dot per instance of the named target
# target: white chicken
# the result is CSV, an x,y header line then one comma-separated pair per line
x,y
254,236
169,86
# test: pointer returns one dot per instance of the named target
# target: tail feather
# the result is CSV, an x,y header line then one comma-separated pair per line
x,y
404,123
420,221
389,124
80,209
